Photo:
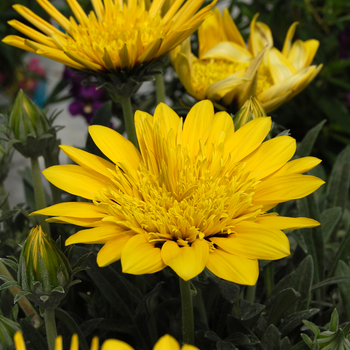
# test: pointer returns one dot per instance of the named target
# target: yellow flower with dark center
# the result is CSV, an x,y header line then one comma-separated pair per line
x,y
228,72
116,35
195,196
167,342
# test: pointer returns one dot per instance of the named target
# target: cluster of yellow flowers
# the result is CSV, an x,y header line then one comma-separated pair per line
x,y
197,194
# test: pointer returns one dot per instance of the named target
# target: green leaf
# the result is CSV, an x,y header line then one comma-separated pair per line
x,y
10,263
302,283
249,312
305,147
20,295
313,328
342,252
9,284
331,280
329,220
344,270
294,320
271,338
32,335
334,323
8,214
285,299
313,237
339,181
307,341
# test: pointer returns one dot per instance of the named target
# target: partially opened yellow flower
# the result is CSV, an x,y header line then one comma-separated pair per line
x,y
166,342
228,72
196,196
116,36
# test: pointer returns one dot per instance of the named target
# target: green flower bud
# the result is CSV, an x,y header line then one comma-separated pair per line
x,y
44,271
30,127
251,109
8,328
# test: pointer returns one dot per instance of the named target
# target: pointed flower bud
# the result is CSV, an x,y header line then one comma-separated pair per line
x,y
251,109
44,272
30,127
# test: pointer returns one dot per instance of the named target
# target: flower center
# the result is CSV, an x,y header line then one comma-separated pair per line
x,y
181,197
207,72
120,26
264,80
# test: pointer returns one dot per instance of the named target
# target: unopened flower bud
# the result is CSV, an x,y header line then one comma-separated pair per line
x,y
30,127
251,109
43,270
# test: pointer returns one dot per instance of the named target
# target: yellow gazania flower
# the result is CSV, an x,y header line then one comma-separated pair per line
x,y
196,196
117,35
225,70
166,342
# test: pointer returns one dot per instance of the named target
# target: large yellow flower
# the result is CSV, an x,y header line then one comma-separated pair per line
x,y
225,71
196,196
117,35
166,342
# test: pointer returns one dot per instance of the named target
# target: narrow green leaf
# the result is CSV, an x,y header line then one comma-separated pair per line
x,y
343,269
10,263
20,295
313,237
9,284
302,283
305,147
292,321
329,220
284,300
333,325
342,252
271,338
249,312
339,181
307,341
331,280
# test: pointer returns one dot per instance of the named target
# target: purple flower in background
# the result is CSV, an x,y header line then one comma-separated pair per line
x,y
87,100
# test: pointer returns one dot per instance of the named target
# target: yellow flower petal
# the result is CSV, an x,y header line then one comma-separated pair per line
x,y
75,180
288,40
89,161
248,138
229,51
113,344
139,257
270,156
187,262
73,209
117,148
284,188
254,241
233,268
166,342
221,129
231,29
112,250
19,342
260,36
285,223
98,235
200,118
298,166
74,345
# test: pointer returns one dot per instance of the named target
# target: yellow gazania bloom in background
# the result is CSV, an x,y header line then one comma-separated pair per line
x,y
117,35
166,342
225,70
196,196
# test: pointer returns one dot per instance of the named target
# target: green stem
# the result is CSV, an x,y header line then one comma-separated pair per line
x,y
250,293
40,200
51,159
128,119
187,312
50,326
24,303
160,88
268,278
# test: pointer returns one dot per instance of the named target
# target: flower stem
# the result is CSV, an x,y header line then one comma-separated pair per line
x,y
187,312
250,293
269,271
40,200
160,88
129,119
50,326
24,303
